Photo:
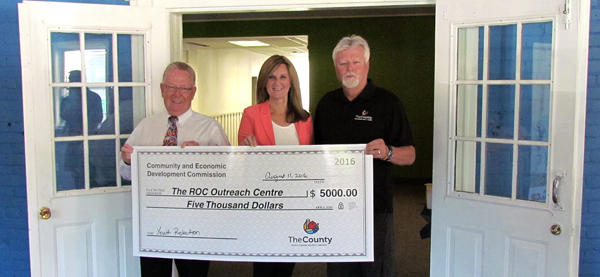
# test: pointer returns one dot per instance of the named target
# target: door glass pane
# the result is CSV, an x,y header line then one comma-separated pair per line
x,y
470,53
130,58
123,181
534,112
103,117
498,169
70,171
63,44
468,111
467,170
536,60
532,176
109,110
67,112
498,117
98,58
503,52
501,111
103,171
132,107
95,107
71,111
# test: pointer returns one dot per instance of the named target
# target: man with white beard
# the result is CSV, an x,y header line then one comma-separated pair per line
x,y
360,112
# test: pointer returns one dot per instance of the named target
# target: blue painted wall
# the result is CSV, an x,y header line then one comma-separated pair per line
x,y
14,247
14,243
589,260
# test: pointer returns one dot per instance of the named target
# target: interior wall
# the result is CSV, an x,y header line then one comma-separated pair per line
x,y
223,78
402,61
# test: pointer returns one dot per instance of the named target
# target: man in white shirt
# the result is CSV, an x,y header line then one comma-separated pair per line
x,y
192,129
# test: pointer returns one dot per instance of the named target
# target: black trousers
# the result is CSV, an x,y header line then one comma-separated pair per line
x,y
385,261
159,267
273,269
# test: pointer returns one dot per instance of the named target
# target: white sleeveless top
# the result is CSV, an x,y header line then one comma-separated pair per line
x,y
285,135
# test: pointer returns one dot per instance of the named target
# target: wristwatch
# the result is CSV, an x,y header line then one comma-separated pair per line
x,y
390,153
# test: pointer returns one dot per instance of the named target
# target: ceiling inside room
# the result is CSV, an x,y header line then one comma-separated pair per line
x,y
292,45
280,45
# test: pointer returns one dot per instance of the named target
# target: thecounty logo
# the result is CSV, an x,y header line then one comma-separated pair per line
x,y
310,227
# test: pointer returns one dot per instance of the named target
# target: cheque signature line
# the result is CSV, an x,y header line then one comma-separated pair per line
x,y
256,210
187,237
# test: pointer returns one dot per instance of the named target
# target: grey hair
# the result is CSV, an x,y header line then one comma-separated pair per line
x,y
350,41
180,66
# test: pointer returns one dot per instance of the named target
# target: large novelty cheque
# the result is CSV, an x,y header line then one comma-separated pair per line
x,y
268,203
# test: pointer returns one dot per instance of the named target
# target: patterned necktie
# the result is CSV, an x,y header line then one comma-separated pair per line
x,y
171,136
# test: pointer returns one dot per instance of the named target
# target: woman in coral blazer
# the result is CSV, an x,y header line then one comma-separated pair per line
x,y
278,119
280,107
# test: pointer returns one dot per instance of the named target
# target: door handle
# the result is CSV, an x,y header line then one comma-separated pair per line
x,y
45,213
556,229
555,185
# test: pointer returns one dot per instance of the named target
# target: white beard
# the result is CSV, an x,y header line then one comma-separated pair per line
x,y
350,83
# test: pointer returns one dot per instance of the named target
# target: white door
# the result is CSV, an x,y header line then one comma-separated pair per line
x,y
115,54
508,147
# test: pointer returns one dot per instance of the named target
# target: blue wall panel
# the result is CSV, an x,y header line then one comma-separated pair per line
x,y
14,241
589,260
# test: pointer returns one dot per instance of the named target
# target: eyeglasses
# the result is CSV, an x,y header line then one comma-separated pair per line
x,y
173,88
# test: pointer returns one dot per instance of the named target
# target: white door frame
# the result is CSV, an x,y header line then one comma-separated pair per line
x,y
581,99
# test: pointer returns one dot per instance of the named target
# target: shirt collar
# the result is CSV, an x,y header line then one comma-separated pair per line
x,y
180,119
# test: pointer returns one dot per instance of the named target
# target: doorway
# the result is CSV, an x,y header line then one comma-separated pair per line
x,y
402,61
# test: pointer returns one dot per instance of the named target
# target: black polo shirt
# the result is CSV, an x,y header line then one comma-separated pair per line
x,y
375,113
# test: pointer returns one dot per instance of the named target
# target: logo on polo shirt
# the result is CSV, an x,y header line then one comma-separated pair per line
x,y
364,116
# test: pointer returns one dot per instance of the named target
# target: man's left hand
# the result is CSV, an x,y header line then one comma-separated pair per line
x,y
378,149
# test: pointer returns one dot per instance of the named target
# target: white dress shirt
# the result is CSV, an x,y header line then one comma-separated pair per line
x,y
191,126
